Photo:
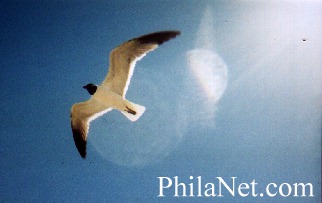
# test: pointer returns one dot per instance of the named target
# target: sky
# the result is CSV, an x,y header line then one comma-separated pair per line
x,y
237,94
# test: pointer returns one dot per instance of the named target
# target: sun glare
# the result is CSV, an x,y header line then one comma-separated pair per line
x,y
206,66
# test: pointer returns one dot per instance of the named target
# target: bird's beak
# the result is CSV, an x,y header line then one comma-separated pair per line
x,y
84,87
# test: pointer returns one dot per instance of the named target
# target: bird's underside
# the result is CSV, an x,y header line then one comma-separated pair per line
x,y
111,93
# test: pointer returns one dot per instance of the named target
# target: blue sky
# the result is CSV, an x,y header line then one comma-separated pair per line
x,y
238,94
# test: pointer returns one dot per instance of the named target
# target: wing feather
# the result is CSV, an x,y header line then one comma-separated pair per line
x,y
81,115
124,57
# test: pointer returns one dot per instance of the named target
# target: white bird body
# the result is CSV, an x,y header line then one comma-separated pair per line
x,y
110,99
111,93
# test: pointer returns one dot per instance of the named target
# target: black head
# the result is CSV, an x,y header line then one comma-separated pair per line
x,y
91,88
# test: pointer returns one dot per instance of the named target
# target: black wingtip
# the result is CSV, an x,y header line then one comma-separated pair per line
x,y
158,37
83,152
80,143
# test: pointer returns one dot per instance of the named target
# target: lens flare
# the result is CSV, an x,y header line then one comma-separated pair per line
x,y
207,67
210,71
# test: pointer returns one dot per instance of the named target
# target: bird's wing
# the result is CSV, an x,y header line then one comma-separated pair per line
x,y
124,57
81,115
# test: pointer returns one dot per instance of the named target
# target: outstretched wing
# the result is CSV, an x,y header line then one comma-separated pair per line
x,y
124,57
81,115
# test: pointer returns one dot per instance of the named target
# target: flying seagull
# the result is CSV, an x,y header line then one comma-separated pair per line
x,y
111,93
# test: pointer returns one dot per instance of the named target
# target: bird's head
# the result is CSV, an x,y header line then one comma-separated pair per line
x,y
91,88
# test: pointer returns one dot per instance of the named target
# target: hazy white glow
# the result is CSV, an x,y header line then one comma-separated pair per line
x,y
210,71
280,41
205,64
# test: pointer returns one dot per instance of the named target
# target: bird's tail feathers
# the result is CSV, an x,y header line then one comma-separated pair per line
x,y
134,112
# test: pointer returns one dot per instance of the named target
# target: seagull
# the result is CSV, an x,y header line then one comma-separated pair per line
x,y
111,93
